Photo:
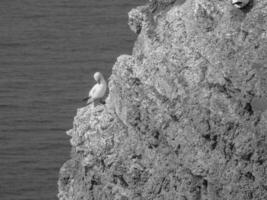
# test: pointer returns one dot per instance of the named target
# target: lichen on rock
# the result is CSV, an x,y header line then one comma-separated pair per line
x,y
185,118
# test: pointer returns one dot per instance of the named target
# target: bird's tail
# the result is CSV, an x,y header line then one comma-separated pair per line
x,y
86,98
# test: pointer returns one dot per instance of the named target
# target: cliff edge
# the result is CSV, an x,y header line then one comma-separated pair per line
x,y
186,114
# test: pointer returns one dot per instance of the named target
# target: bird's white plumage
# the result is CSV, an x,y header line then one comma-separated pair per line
x,y
240,3
98,91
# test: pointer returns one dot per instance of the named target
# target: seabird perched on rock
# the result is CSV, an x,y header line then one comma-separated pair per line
x,y
98,91
240,3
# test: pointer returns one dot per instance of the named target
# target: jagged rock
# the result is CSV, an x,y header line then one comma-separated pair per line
x,y
136,18
184,118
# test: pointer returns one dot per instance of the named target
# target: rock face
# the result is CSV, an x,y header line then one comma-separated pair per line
x,y
186,115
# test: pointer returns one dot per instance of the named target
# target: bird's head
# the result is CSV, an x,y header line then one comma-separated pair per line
x,y
98,77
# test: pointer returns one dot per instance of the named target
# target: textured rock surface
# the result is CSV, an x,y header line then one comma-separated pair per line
x,y
186,115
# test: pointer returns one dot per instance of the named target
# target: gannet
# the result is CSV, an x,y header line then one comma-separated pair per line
x,y
240,3
98,90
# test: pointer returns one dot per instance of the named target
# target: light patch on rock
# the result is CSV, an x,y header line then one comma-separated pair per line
x,y
240,3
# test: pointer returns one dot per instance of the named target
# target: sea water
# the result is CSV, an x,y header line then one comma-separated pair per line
x,y
49,50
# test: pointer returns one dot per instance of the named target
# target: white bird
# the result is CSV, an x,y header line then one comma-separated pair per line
x,y
98,91
240,3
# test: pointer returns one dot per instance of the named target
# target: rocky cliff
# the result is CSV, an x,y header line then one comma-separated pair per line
x,y
186,114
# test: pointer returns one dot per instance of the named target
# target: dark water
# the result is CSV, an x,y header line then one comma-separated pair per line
x,y
48,51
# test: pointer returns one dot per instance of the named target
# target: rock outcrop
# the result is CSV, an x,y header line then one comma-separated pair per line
x,y
186,114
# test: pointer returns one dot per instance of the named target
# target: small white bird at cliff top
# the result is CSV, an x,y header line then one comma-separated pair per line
x,y
240,3
98,91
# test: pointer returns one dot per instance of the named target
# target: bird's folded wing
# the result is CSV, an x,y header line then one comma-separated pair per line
x,y
92,91
90,101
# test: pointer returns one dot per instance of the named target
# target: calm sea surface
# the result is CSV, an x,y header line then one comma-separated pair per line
x,y
48,51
